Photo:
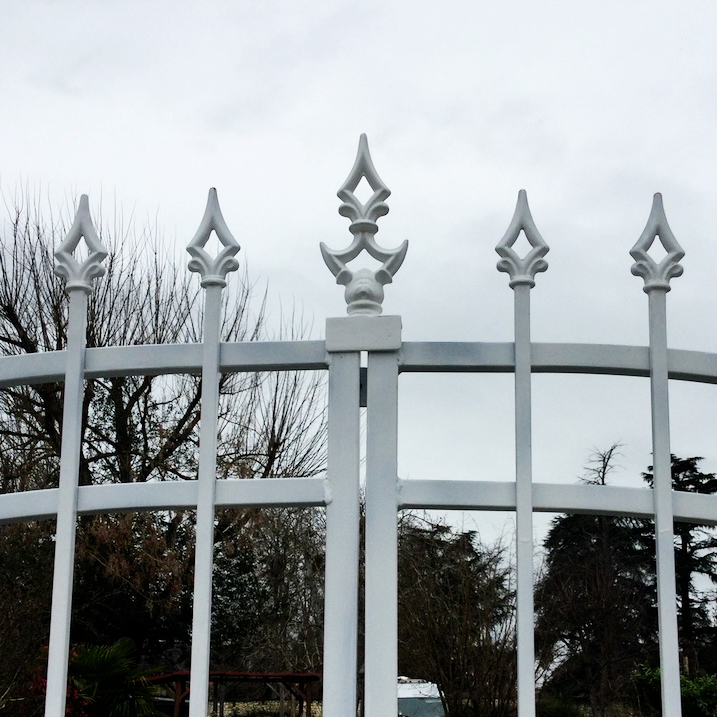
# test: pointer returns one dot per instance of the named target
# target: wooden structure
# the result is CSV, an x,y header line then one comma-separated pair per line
x,y
298,684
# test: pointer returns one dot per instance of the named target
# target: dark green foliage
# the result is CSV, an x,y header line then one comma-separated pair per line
x,y
555,706
108,678
132,578
104,681
26,561
695,555
595,608
287,590
699,695
596,604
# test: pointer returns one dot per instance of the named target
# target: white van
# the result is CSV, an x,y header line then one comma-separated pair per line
x,y
418,699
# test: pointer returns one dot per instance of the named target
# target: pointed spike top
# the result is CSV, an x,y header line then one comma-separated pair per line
x,y
364,288
522,270
363,168
213,270
657,275
76,275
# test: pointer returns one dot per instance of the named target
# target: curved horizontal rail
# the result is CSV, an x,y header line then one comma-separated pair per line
x,y
281,492
553,498
415,356
616,360
167,495
161,359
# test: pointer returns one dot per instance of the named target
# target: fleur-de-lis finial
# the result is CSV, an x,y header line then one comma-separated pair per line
x,y
364,288
522,271
76,275
657,276
213,270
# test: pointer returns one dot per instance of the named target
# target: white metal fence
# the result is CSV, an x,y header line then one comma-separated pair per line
x,y
364,330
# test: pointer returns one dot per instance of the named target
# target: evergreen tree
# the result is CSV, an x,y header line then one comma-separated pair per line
x,y
695,556
595,603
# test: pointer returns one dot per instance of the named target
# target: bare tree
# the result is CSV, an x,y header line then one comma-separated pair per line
x,y
136,428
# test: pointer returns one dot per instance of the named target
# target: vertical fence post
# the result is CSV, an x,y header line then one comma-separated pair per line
x,y
213,274
381,337
522,279
342,536
79,278
381,669
657,284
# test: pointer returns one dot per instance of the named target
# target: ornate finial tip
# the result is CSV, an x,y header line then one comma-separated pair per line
x,y
522,270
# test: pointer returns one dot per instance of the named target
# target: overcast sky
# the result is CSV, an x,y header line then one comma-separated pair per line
x,y
590,106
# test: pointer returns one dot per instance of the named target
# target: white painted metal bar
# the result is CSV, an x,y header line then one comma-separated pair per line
x,y
204,551
213,272
522,271
78,278
166,495
662,488
60,620
367,330
381,653
342,537
524,504
479,357
179,358
35,368
423,356
444,493
657,278
450,494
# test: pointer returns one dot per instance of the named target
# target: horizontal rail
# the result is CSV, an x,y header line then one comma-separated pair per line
x,y
167,495
160,359
617,360
283,492
429,357
552,498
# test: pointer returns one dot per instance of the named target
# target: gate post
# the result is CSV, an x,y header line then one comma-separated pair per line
x,y
342,535
381,533
366,330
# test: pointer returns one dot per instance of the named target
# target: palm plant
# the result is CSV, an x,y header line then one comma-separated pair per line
x,y
108,678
